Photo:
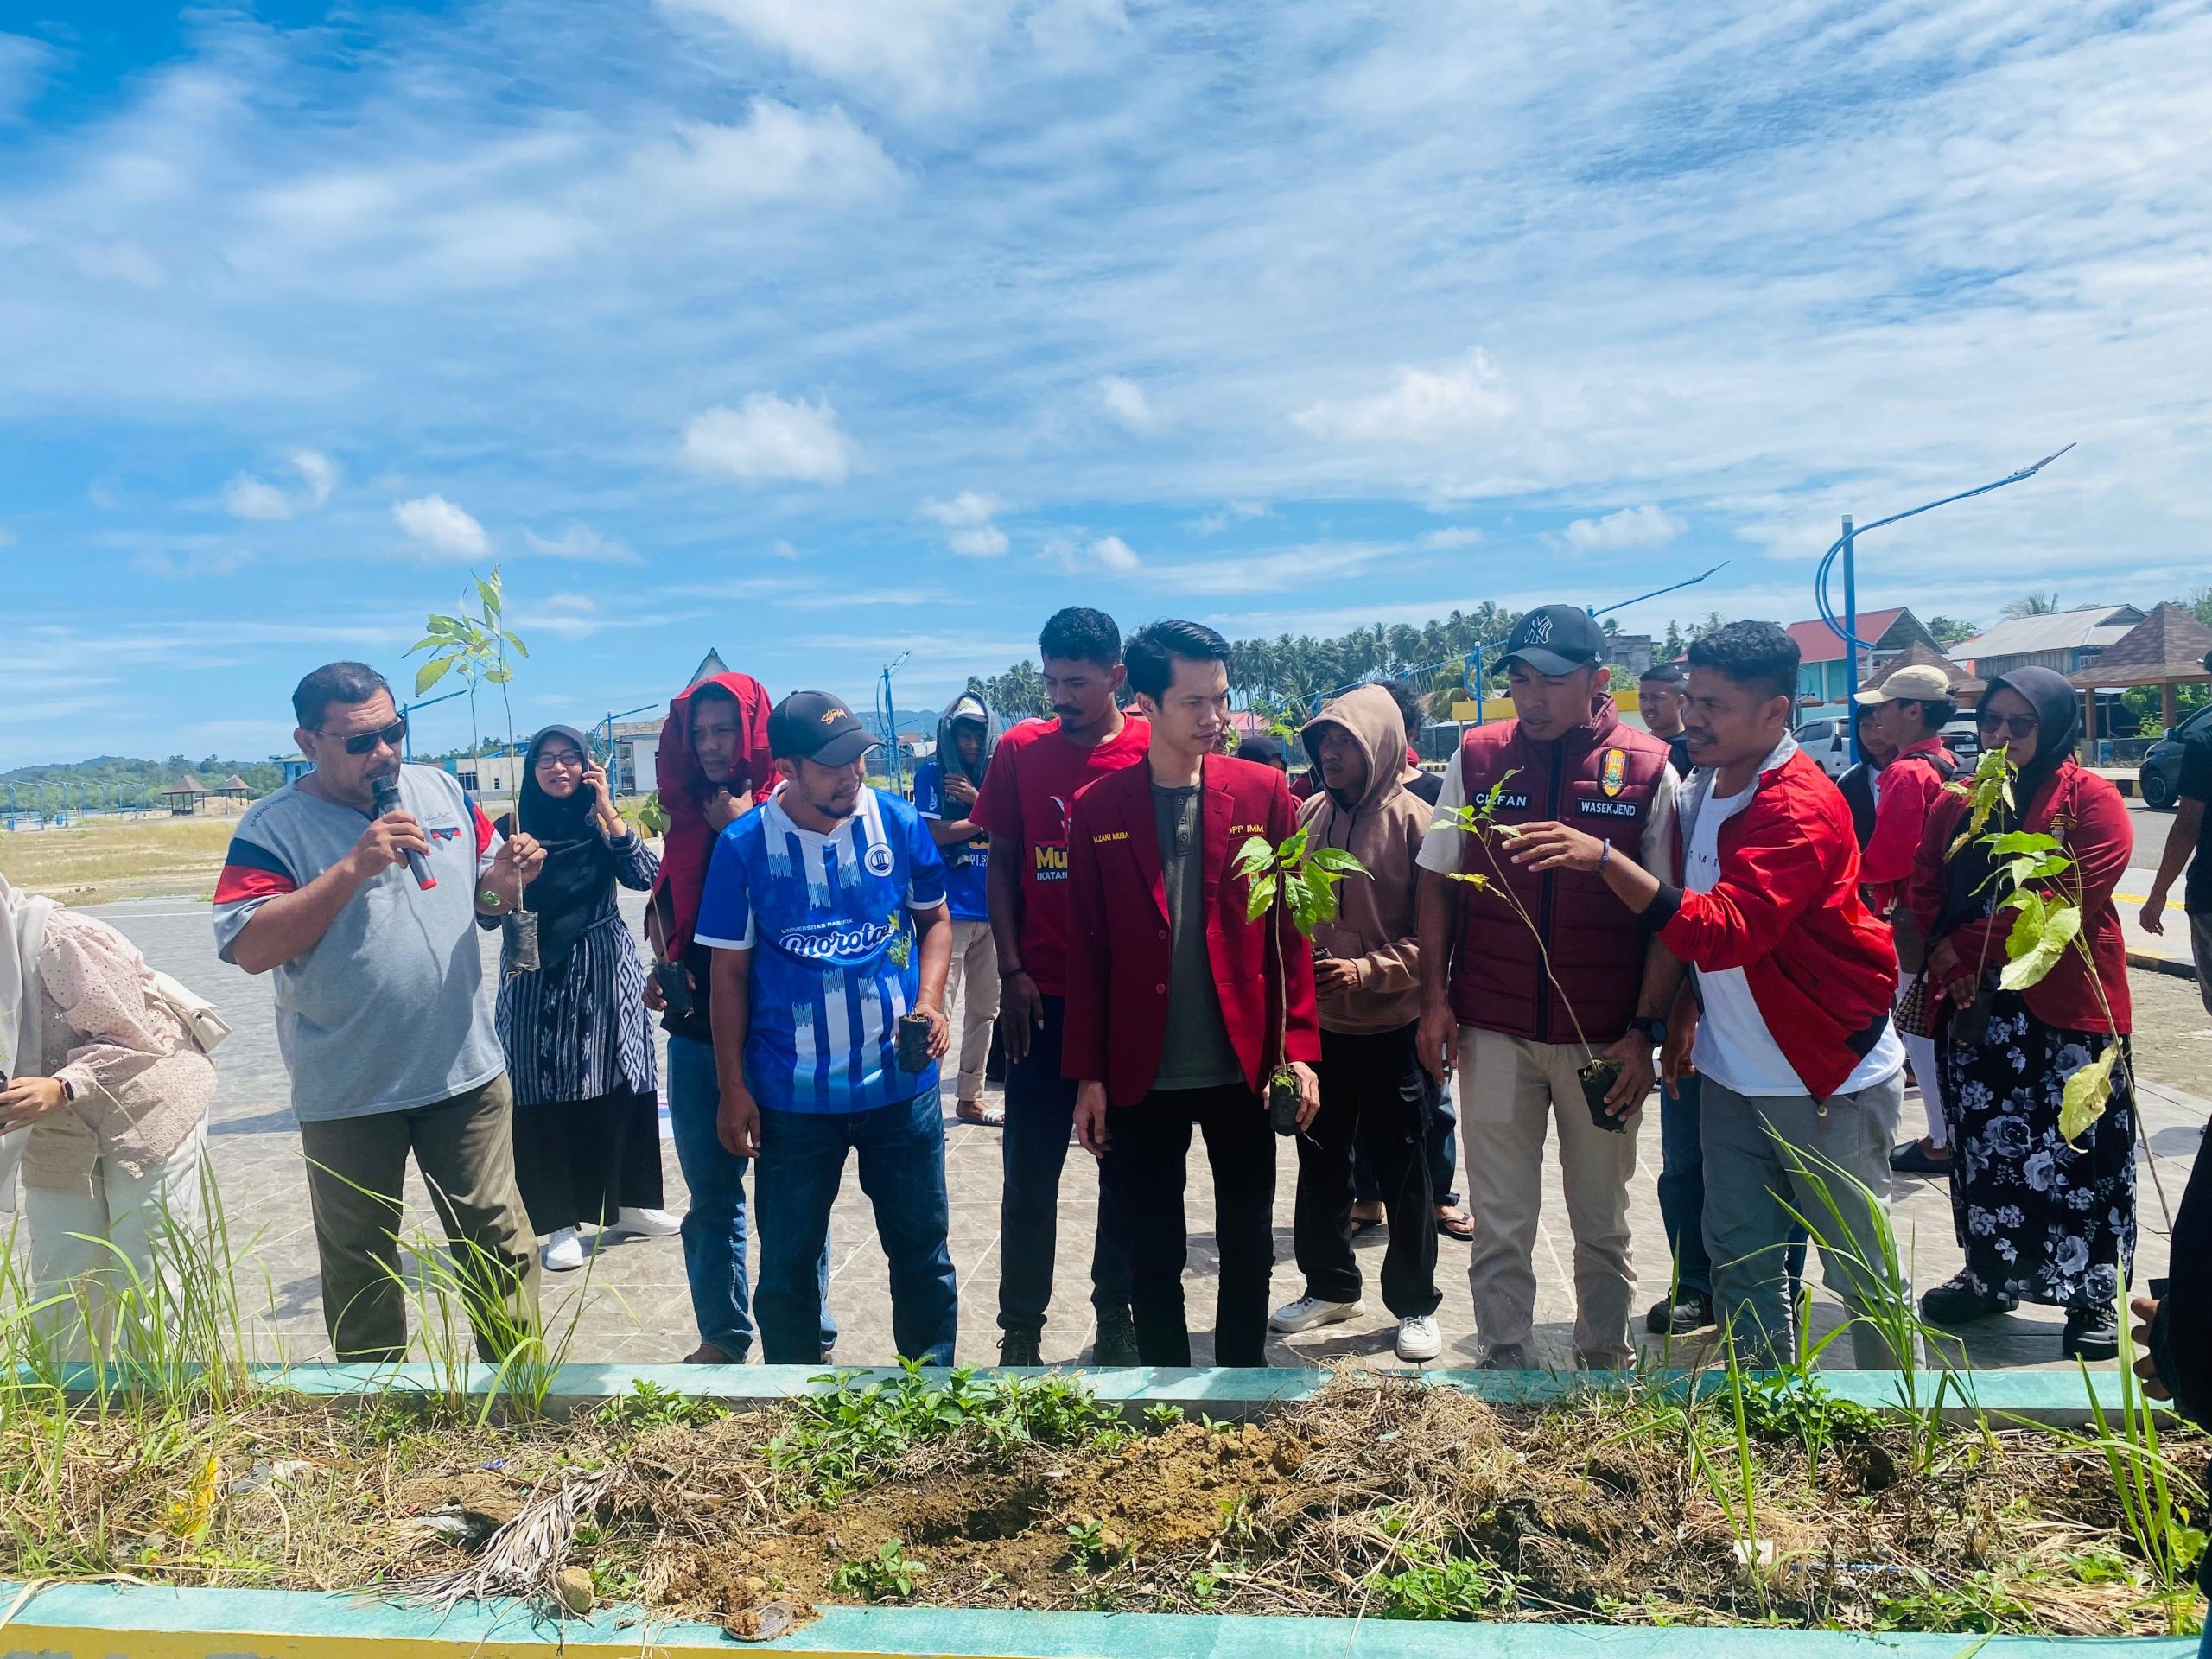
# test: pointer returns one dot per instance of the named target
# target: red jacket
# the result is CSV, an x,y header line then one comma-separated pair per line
x,y
1116,1014
2088,817
1787,911
1910,786
691,840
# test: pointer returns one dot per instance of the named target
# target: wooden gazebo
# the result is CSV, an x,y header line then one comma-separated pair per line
x,y
2168,648
1966,690
236,788
185,795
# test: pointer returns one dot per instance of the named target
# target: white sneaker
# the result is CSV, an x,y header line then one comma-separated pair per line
x,y
1308,1313
563,1252
645,1223
1419,1340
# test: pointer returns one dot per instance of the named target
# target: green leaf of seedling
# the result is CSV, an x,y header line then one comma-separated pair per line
x,y
1255,857
1263,895
498,676
1294,849
2060,926
431,673
2027,922
514,641
2022,840
1337,861
2088,1090
424,643
488,594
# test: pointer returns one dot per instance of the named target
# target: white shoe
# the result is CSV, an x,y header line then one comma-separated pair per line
x,y
563,1252
1308,1313
1419,1340
645,1223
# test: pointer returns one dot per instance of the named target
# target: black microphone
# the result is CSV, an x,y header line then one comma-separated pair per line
x,y
387,794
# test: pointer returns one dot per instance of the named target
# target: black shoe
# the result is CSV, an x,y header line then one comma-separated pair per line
x,y
1115,1345
1693,1313
2091,1333
1913,1157
1956,1301
1020,1348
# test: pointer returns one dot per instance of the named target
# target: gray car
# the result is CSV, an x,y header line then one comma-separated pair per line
x,y
2161,778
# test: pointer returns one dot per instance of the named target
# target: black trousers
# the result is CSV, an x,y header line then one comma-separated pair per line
x,y
578,1161
1372,1096
1148,1148
1039,1113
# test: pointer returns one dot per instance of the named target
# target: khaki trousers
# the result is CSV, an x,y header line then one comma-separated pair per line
x,y
1512,1089
974,984
356,1167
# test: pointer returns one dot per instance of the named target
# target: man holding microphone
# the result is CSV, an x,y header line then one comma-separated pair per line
x,y
359,885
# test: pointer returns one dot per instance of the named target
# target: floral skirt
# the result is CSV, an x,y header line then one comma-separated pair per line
x,y
2040,1220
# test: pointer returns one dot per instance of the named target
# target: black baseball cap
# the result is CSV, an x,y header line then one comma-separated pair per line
x,y
1556,639
815,726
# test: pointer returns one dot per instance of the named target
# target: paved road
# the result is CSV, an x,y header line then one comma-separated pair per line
x,y
634,1307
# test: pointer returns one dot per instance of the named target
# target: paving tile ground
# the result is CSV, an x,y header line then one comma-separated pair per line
x,y
634,1306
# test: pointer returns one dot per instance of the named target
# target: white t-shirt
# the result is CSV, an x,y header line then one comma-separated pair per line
x,y
1733,1047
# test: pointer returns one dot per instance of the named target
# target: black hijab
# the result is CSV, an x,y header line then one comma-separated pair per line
x,y
578,878
1968,891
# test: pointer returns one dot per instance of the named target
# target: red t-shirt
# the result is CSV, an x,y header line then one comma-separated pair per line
x,y
1034,773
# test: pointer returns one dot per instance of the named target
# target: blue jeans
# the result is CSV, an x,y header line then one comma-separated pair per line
x,y
1681,1188
901,1149
714,1226
1439,1142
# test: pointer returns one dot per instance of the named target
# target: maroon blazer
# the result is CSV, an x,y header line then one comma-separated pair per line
x,y
1116,1014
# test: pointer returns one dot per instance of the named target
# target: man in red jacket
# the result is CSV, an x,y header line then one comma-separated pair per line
x,y
1178,1007
1791,1028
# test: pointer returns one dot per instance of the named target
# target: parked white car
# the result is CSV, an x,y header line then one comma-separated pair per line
x,y
1827,742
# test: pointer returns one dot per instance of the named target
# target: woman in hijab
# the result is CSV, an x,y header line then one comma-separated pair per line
x,y
104,1099
2039,1220
580,1054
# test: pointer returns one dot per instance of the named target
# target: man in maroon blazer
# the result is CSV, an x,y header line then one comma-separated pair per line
x,y
1175,1000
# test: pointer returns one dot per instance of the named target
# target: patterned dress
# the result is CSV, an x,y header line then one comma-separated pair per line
x,y
2040,1220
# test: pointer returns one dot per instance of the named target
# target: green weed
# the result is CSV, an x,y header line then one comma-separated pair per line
x,y
889,1575
1429,1587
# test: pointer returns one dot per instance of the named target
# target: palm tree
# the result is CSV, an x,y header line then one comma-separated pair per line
x,y
2032,605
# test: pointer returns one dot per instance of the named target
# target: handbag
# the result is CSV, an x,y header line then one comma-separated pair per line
x,y
1913,1016
208,1027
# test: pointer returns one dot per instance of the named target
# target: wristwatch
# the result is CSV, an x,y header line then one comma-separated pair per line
x,y
1654,1030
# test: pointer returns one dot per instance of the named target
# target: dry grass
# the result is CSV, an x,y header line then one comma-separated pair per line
x,y
1377,1499
103,859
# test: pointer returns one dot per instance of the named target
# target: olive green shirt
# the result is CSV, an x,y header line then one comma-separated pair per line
x,y
1196,1053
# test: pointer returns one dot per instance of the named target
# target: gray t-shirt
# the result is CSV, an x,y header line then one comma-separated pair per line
x,y
1195,1052
383,1012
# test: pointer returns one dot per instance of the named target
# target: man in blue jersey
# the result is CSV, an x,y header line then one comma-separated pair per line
x,y
946,790
825,910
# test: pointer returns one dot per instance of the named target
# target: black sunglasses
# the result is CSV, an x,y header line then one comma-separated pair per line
x,y
365,742
2015,726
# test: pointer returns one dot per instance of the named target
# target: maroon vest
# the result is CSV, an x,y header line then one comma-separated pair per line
x,y
1602,777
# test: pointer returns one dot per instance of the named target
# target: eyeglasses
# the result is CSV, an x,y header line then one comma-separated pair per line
x,y
2014,726
365,742
551,758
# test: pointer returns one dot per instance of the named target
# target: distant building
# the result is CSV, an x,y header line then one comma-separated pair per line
x,y
2067,641
296,767
1632,651
634,768
1823,668
235,788
185,795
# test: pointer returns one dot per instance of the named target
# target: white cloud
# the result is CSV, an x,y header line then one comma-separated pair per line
x,y
575,604
440,525
1125,401
986,542
1110,554
919,52
1455,536
969,507
7,536
1644,527
1422,407
580,542
165,565
778,153
248,496
23,66
766,438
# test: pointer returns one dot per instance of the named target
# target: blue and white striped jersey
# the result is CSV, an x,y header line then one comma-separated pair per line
x,y
828,921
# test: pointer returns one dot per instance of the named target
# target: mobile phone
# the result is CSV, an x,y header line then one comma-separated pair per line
x,y
675,988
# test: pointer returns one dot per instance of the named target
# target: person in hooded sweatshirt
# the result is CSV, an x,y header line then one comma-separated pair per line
x,y
946,790
1367,983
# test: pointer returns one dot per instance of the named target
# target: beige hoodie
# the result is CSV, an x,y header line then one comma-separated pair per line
x,y
1374,928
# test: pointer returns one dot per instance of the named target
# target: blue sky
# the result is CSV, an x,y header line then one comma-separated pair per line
x,y
819,330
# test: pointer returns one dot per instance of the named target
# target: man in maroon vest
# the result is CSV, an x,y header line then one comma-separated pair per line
x,y
1525,979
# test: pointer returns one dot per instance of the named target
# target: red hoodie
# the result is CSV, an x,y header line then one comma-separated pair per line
x,y
684,792
1787,911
